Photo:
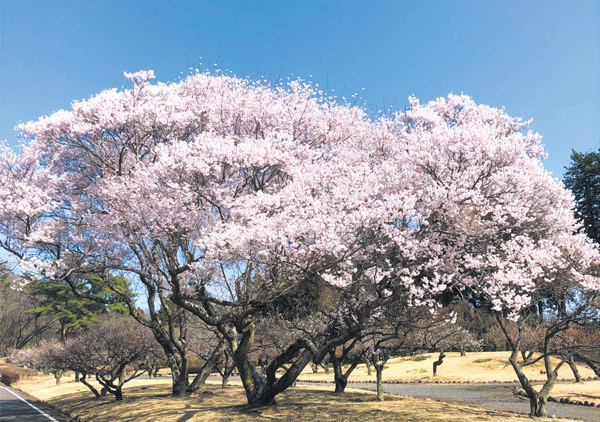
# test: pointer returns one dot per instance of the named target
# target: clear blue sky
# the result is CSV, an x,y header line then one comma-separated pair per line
x,y
539,59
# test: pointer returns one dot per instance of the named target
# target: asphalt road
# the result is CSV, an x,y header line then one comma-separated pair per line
x,y
13,408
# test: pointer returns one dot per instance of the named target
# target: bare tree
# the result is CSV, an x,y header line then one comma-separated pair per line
x,y
114,351
47,357
547,338
19,327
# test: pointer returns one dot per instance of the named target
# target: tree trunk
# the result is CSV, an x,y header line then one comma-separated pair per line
x,y
63,332
338,375
379,372
76,376
83,380
438,363
368,364
180,383
57,376
537,405
314,367
227,370
537,401
179,374
207,368
118,393
573,367
273,386
340,384
462,351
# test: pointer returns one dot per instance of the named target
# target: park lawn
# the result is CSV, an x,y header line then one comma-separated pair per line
x,y
150,400
474,367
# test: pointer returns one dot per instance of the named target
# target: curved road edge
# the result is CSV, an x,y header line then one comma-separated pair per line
x,y
18,406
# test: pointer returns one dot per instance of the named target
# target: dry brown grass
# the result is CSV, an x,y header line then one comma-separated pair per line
x,y
588,390
492,366
150,402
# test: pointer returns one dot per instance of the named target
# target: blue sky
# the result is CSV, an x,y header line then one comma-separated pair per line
x,y
539,59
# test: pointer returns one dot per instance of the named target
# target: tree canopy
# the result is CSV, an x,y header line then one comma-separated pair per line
x,y
226,197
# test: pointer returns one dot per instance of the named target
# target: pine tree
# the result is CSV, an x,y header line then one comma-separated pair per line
x,y
583,179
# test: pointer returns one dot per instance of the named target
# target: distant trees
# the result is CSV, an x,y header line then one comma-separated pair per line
x,y
442,334
19,327
583,179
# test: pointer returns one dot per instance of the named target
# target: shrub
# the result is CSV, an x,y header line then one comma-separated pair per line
x,y
481,360
9,377
419,358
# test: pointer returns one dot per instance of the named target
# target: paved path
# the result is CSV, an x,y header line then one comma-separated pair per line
x,y
487,396
14,408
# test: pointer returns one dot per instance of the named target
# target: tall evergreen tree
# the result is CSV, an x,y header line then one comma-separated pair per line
x,y
74,313
583,179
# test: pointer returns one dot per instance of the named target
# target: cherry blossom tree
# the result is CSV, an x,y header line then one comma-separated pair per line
x,y
504,222
225,196
191,188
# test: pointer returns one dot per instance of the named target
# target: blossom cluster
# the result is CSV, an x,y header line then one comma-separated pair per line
x,y
223,182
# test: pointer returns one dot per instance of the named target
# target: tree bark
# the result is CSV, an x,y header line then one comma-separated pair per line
x,y
118,394
573,367
368,364
179,373
537,401
83,380
338,375
207,368
379,372
438,363
227,370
